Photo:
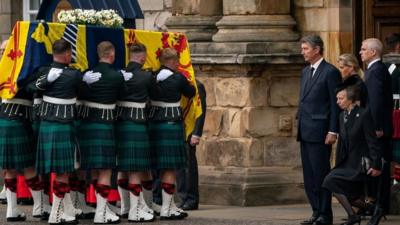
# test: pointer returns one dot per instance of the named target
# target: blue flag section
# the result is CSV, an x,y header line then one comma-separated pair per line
x,y
95,35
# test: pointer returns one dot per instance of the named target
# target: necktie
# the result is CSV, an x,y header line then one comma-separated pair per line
x,y
312,72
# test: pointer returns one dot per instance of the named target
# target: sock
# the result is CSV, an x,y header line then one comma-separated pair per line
x,y
103,190
60,188
147,184
11,184
82,187
74,183
123,183
35,183
169,188
135,189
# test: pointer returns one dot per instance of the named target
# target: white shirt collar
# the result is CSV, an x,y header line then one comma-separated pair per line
x,y
372,62
316,64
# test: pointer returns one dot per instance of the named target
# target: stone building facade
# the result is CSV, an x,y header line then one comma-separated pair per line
x,y
247,54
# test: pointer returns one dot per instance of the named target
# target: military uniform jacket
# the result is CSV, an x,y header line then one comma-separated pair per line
x,y
19,107
59,96
166,95
131,105
100,97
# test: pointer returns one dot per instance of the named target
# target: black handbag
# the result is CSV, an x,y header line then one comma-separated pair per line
x,y
365,164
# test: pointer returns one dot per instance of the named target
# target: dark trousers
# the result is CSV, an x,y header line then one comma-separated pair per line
x,y
383,182
315,159
157,197
187,180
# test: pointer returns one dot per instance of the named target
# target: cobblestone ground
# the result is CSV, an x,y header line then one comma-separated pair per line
x,y
225,215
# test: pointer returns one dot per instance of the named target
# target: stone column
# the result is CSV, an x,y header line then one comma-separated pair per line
x,y
195,18
248,154
10,12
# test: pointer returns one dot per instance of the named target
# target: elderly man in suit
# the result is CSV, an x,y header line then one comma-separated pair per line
x,y
380,103
317,126
188,178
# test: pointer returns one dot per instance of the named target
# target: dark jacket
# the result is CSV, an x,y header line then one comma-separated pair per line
x,y
380,97
318,112
170,90
198,127
357,138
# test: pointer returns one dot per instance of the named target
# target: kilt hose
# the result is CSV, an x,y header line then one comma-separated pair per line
x,y
17,150
133,147
167,141
97,145
56,146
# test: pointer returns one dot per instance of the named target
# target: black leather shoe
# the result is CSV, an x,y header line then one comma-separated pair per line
x,y
323,221
187,206
353,219
378,214
309,221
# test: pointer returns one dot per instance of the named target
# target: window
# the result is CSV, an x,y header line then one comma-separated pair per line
x,y
30,9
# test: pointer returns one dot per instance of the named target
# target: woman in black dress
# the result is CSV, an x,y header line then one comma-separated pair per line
x,y
357,139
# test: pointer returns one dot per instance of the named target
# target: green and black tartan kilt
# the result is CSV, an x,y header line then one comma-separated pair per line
x,y
167,141
16,144
133,147
97,145
56,146
396,150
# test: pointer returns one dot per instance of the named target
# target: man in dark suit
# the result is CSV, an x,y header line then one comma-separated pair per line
x,y
188,179
380,103
317,126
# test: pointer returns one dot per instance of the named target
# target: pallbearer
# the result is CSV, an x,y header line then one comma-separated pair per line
x,y
167,136
132,135
56,143
96,131
17,153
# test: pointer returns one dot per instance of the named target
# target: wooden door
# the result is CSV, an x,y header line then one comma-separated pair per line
x,y
375,18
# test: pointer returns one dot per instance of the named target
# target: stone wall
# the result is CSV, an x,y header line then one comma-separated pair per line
x,y
331,19
10,12
155,12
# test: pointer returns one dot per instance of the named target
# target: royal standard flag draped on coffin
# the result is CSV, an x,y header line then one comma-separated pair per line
x,y
29,48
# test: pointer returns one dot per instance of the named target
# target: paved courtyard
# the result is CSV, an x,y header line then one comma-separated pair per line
x,y
228,215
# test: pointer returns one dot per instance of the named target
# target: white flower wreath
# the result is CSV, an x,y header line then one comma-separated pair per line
x,y
108,18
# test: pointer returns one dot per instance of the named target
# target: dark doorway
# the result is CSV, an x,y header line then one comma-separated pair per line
x,y
375,18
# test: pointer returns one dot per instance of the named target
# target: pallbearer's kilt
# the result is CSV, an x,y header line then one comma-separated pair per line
x,y
167,140
133,147
56,147
16,144
97,145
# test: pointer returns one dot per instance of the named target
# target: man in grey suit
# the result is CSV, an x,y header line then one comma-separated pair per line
x,y
317,126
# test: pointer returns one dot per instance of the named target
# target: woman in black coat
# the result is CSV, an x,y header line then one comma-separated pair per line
x,y
357,139
352,75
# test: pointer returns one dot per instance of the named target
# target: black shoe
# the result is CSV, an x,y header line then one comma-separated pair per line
x,y
309,221
378,214
353,219
16,219
187,206
323,221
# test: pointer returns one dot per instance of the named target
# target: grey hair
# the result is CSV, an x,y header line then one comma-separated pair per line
x,y
374,44
314,40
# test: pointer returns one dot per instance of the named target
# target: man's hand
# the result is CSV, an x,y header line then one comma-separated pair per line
x,y
330,139
127,75
379,133
54,74
194,140
373,172
90,77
